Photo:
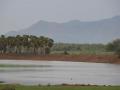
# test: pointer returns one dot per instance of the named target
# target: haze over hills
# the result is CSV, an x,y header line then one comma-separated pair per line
x,y
75,31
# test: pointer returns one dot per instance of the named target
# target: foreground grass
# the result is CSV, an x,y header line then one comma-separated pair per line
x,y
20,87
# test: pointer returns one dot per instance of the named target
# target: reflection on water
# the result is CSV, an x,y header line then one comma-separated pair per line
x,y
59,72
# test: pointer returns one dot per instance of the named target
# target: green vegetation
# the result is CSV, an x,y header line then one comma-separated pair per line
x,y
29,44
61,48
19,87
115,47
1,82
26,44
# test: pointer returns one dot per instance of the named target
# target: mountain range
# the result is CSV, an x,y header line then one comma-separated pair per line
x,y
75,31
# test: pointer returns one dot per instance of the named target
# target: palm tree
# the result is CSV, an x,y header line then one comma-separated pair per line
x,y
34,43
19,44
10,44
3,44
24,44
49,45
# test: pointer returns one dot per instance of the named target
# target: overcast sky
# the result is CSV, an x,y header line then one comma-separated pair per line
x,y
19,14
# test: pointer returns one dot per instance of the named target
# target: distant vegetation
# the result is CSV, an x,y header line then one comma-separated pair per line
x,y
91,49
26,44
29,44
115,47
67,48
94,49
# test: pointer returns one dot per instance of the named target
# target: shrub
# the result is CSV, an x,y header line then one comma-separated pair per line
x,y
115,47
8,88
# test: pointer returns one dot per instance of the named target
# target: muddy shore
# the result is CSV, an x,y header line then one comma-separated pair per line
x,y
77,58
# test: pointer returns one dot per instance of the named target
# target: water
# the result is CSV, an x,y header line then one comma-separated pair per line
x,y
59,72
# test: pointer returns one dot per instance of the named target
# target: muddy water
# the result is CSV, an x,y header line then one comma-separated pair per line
x,y
59,72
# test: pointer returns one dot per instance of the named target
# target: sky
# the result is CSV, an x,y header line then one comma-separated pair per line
x,y
20,14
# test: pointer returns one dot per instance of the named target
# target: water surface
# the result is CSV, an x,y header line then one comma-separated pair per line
x,y
59,72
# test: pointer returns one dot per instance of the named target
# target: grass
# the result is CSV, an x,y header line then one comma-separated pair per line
x,y
84,52
60,87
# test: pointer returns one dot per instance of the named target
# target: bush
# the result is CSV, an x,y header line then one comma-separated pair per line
x,y
66,53
8,88
115,47
118,52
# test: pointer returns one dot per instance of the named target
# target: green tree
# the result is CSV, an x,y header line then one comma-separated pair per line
x,y
3,44
114,46
25,44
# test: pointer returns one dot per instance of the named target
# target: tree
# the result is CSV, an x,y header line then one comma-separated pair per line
x,y
3,44
25,44
19,43
10,44
65,52
114,46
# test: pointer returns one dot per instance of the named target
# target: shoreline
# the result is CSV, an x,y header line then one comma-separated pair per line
x,y
75,58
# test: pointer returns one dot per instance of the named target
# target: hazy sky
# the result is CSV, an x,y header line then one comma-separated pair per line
x,y
18,14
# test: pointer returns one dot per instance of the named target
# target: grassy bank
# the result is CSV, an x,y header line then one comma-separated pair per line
x,y
20,87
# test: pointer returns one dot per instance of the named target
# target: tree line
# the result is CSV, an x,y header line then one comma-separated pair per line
x,y
25,44
113,46
30,44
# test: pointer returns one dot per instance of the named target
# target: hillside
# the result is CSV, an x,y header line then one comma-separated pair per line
x,y
76,31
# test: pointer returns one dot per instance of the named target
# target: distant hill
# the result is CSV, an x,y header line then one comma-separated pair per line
x,y
76,31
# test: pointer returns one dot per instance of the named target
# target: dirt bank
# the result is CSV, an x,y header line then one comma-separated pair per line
x,y
79,58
